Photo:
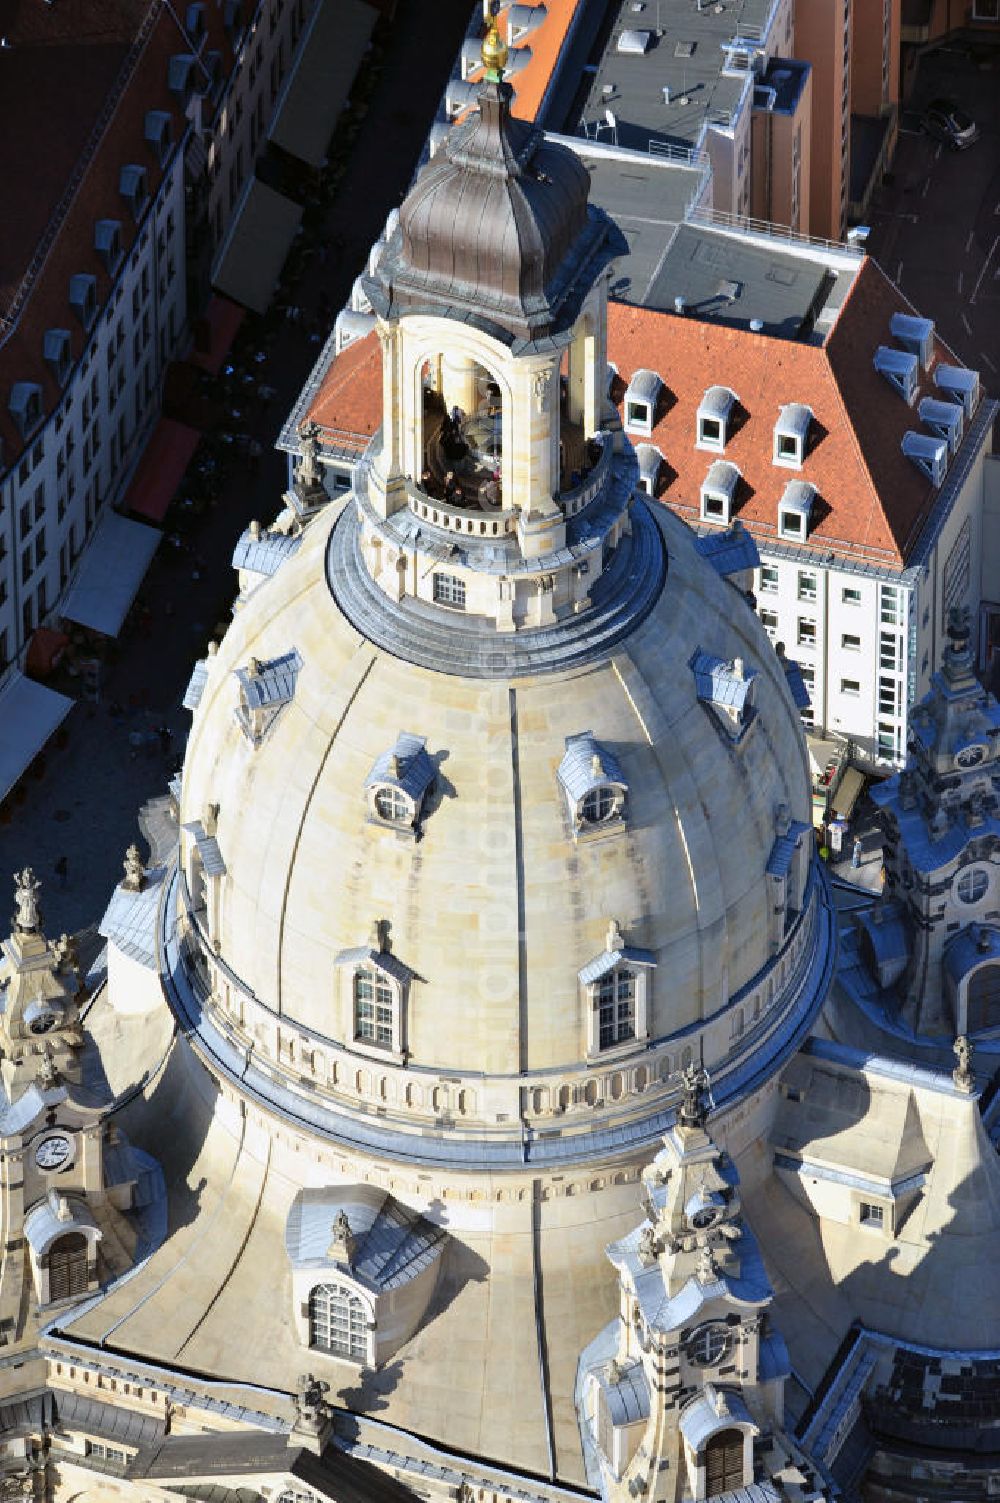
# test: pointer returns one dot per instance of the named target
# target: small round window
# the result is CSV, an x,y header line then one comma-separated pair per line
x,y
598,805
392,805
971,884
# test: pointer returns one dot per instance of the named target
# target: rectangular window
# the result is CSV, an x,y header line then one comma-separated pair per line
x,y
807,585
806,632
850,596
105,1453
449,590
637,413
713,506
849,642
769,577
851,687
373,1009
790,523
24,521
872,1215
890,696
769,620
888,606
888,650
709,431
616,1008
808,675
886,740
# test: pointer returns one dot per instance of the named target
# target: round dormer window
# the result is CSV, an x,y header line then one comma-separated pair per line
x,y
598,805
393,806
972,884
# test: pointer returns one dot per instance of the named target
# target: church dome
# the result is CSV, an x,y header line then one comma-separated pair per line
x,y
484,898
499,219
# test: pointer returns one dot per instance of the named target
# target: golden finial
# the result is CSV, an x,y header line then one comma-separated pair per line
x,y
494,52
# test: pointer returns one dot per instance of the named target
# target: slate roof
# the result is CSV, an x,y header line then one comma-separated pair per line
x,y
871,502
392,1243
77,1411
273,683
405,765
129,920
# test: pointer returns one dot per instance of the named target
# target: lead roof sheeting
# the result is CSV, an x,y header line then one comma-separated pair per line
x,y
29,714
780,860
934,410
723,477
576,770
129,920
382,960
700,1420
628,1399
32,1412
602,964
963,953
273,683
717,683
42,1226
415,772
111,571
76,1411
392,1244
797,684
196,685
730,552
208,848
650,459
265,553
717,402
645,386
795,418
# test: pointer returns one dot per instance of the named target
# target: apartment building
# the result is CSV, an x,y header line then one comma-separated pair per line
x,y
141,130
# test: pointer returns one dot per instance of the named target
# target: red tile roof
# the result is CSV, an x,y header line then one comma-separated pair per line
x,y
871,500
96,196
348,405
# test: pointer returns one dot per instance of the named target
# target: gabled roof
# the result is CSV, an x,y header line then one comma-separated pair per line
x,y
348,405
579,772
871,502
720,683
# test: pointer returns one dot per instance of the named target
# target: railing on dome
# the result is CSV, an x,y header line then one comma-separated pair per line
x,y
593,482
484,524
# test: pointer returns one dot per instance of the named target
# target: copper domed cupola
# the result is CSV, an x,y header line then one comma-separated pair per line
x,y
497,227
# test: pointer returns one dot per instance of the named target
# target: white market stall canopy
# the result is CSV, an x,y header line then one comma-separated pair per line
x,y
111,572
254,251
29,714
319,85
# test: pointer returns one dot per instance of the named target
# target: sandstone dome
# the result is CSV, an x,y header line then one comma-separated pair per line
x,y
491,918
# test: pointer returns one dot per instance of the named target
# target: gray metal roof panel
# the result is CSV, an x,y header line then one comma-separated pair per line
x,y
729,552
76,1411
196,685
780,860
208,848
645,386
406,765
382,960
272,683
129,920
719,683
608,959
587,765
265,553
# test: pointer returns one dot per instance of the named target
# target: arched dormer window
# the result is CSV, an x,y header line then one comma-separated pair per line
x,y
396,789
615,988
714,417
339,1323
594,785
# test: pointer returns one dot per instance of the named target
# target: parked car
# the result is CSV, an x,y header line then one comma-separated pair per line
x,y
948,122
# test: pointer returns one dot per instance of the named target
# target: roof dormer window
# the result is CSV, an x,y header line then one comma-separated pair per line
x,y
25,406
595,788
958,384
928,453
108,243
650,463
791,435
915,335
57,350
727,689
194,22
794,510
944,419
180,77
899,368
718,492
379,985
714,415
397,787
615,995
641,397
133,188
158,131
83,298
265,689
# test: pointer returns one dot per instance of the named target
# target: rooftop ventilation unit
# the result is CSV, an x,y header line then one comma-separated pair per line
x,y
959,385
944,419
634,43
899,368
928,454
915,335
684,49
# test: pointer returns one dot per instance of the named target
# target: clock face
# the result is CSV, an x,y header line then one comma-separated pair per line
x,y
971,756
707,1346
53,1152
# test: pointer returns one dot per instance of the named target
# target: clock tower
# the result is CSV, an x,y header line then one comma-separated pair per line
x,y
71,1184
